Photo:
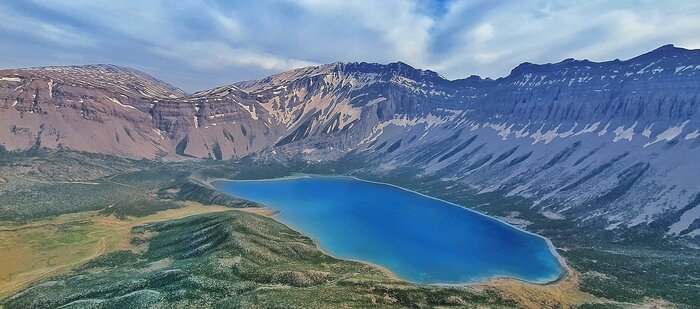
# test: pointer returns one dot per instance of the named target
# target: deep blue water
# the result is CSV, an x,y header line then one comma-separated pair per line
x,y
420,239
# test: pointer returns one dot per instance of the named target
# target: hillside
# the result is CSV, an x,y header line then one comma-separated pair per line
x,y
608,146
119,111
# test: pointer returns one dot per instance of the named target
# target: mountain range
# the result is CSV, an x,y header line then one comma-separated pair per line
x,y
612,145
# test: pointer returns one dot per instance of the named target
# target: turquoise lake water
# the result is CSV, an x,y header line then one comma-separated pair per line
x,y
418,238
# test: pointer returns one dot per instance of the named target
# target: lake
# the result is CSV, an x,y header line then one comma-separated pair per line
x,y
418,238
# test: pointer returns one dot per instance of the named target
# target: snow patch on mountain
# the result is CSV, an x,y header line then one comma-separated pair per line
x,y
120,103
10,79
669,134
622,133
686,219
692,135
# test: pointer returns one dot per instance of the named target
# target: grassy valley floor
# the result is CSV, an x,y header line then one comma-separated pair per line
x,y
96,231
222,258
39,249
230,259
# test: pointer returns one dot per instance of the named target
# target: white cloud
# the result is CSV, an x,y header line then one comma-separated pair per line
x,y
482,37
62,35
231,27
482,33
399,25
543,31
217,56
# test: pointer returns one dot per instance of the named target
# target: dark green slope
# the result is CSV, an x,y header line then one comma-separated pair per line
x,y
233,260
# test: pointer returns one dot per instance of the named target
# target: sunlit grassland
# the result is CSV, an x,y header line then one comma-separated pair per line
x,y
32,251
72,207
234,259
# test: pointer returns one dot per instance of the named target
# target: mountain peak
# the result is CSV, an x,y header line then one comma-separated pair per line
x,y
666,47
103,67
121,79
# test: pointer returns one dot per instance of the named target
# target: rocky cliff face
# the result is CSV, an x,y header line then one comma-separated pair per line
x,y
612,145
219,124
120,111
331,108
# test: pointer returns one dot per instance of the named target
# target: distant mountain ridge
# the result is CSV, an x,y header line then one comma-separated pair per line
x,y
609,144
124,112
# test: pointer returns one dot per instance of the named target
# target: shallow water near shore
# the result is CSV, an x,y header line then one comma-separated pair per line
x,y
418,238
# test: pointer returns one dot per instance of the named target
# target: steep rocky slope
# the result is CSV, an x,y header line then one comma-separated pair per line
x,y
612,145
121,111
333,107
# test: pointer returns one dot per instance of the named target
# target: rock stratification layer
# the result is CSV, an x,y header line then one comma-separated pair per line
x,y
609,144
124,112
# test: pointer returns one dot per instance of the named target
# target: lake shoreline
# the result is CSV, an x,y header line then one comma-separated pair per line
x,y
565,270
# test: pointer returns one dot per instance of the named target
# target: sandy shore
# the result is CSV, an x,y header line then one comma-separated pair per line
x,y
263,211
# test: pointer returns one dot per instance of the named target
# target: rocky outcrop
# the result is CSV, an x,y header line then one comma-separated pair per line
x,y
611,144
124,112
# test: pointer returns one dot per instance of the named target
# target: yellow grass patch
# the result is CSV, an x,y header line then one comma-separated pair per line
x,y
33,251
564,293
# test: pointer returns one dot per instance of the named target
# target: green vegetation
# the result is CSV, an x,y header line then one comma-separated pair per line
x,y
234,260
625,268
42,248
275,267
59,182
633,273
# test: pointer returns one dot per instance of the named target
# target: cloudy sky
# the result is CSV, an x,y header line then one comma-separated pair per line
x,y
201,44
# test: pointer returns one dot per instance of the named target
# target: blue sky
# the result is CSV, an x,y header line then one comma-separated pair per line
x,y
202,44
